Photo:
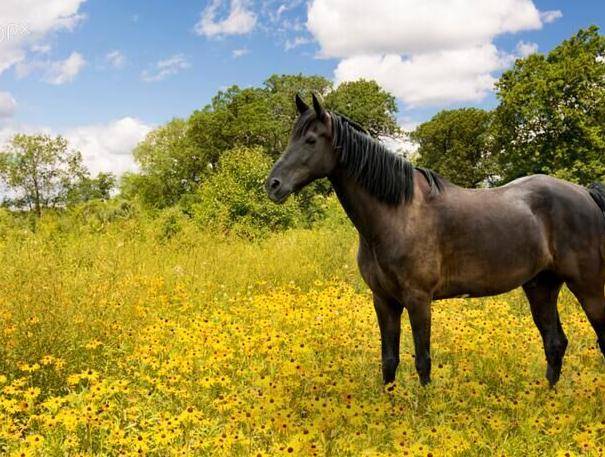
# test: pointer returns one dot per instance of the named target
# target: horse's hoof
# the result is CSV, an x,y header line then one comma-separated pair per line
x,y
552,375
601,343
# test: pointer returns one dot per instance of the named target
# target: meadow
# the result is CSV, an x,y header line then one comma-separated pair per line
x,y
150,336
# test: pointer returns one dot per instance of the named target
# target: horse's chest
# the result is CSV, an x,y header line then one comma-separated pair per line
x,y
388,273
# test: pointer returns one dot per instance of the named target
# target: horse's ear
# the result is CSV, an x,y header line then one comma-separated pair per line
x,y
301,106
319,110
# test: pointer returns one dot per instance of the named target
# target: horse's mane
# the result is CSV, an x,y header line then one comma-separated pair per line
x,y
384,174
387,176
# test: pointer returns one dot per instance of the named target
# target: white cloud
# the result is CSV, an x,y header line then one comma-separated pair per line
x,y
237,53
108,147
296,42
8,105
41,48
24,23
240,20
104,147
435,78
550,16
426,53
116,58
55,72
167,67
524,48
65,71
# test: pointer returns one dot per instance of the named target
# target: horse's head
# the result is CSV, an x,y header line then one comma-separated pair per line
x,y
309,156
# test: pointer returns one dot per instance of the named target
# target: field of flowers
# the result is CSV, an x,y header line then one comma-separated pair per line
x,y
116,343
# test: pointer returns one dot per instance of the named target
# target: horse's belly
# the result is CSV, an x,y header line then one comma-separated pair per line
x,y
486,275
474,290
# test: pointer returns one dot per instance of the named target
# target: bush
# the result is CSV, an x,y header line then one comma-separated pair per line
x,y
96,215
234,200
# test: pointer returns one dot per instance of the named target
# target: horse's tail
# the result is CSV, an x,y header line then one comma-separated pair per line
x,y
597,192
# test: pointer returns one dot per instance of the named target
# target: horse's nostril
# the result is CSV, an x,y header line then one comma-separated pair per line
x,y
274,184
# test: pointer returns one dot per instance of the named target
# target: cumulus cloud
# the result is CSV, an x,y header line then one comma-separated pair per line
x,y
55,72
64,71
108,147
24,23
8,105
165,68
115,58
239,21
104,147
524,48
426,53
429,79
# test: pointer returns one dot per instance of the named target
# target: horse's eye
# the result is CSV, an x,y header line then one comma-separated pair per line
x,y
310,140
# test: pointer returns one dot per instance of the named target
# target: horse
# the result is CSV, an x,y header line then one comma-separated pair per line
x,y
422,238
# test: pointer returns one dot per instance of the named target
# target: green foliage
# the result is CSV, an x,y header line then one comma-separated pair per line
x,y
40,171
87,189
455,143
551,117
252,117
171,165
368,104
96,215
234,200
170,222
177,158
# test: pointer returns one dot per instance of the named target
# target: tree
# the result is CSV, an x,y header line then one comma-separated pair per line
x,y
171,165
87,188
252,117
551,117
455,144
40,171
177,158
368,104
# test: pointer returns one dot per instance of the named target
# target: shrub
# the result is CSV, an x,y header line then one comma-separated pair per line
x,y
234,200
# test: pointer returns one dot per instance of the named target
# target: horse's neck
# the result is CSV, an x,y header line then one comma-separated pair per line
x,y
362,208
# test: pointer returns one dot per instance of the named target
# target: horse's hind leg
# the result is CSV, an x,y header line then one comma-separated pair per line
x,y
592,299
542,293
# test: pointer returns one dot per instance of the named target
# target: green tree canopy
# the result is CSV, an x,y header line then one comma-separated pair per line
x,y
39,171
455,144
174,159
252,117
86,189
171,165
551,117
368,104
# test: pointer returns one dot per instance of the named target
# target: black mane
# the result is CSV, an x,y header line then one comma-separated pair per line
x,y
384,174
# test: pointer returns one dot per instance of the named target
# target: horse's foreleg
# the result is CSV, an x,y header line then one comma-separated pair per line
x,y
542,293
420,319
389,321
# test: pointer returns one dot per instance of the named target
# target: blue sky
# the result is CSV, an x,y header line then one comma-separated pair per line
x,y
58,75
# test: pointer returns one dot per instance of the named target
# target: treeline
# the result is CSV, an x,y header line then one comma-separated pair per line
x,y
550,119
210,167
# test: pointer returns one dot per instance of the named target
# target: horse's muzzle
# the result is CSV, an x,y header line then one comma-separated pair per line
x,y
276,191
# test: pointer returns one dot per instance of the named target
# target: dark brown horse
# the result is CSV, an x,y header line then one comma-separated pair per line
x,y
422,238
